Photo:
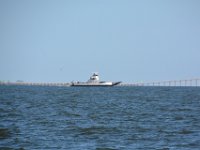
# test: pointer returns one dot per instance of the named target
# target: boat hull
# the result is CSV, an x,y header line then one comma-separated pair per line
x,y
95,84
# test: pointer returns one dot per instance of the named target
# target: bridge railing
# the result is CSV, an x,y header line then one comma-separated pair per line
x,y
186,82
195,82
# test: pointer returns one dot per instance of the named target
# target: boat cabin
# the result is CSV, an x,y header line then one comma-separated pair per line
x,y
94,78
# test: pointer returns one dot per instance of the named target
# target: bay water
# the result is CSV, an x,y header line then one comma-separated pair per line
x,y
99,118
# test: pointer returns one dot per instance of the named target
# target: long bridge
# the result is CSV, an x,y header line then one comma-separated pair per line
x,y
195,82
185,82
33,83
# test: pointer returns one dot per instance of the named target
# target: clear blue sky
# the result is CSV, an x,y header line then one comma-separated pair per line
x,y
126,40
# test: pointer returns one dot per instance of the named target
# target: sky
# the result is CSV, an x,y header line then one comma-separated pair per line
x,y
123,40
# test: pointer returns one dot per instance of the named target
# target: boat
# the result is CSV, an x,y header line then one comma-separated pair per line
x,y
94,81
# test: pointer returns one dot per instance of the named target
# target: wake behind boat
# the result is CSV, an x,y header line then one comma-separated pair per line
x,y
94,81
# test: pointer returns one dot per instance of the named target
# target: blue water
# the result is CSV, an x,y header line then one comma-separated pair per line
x,y
162,118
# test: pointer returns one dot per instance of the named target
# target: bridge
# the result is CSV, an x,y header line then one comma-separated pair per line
x,y
33,83
182,83
195,82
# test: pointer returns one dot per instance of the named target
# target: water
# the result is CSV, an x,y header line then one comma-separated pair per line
x,y
162,118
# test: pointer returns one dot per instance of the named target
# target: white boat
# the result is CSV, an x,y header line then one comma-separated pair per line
x,y
94,81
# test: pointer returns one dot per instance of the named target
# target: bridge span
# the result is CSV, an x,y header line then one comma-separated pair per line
x,y
195,82
34,84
